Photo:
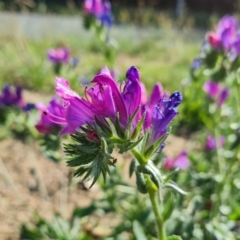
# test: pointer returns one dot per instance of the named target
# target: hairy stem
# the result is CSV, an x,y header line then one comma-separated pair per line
x,y
155,201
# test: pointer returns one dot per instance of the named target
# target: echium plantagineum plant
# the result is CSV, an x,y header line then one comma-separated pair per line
x,y
15,111
98,17
212,96
113,114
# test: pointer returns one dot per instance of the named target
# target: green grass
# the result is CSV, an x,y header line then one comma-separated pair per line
x,y
161,55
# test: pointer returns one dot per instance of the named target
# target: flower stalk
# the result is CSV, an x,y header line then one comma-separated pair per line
x,y
156,207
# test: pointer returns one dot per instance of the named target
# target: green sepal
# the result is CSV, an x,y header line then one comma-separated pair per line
x,y
129,125
141,183
138,128
129,145
155,146
132,167
174,186
119,130
140,158
105,129
168,207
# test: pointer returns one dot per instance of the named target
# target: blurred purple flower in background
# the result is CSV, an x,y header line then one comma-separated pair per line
x,y
211,142
225,35
11,96
223,95
181,161
58,55
196,64
212,88
216,91
51,116
100,9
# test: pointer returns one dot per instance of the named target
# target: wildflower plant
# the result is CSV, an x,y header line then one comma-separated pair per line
x,y
212,97
17,117
119,116
99,18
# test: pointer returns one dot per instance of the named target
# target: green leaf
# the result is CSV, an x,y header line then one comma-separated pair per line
x,y
174,238
138,231
174,186
169,207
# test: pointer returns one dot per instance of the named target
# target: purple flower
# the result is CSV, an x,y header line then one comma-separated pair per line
x,y
132,92
163,114
224,94
225,34
100,9
11,96
58,55
148,108
215,91
181,161
211,142
212,88
52,116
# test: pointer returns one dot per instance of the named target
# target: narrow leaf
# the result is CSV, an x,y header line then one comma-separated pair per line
x,y
173,185
138,231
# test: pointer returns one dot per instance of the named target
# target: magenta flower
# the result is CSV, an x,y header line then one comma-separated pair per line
x,y
216,92
11,96
58,55
46,124
94,7
211,142
212,88
181,161
225,34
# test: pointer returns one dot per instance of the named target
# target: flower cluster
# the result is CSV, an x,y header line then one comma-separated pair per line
x,y
227,37
216,92
112,114
106,99
100,9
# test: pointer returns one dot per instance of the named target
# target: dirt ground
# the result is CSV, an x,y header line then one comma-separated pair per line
x,y
30,182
